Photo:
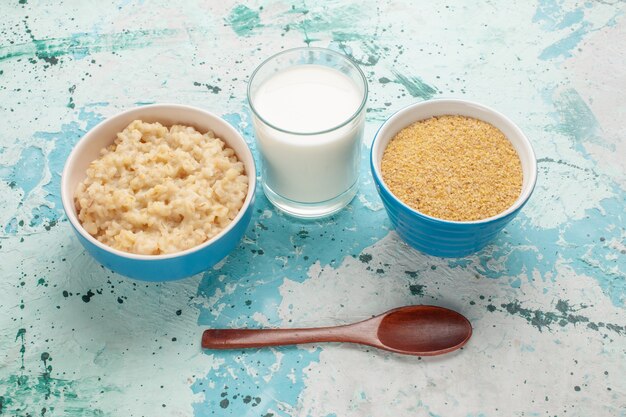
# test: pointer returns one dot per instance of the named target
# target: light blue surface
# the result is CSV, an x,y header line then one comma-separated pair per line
x,y
546,298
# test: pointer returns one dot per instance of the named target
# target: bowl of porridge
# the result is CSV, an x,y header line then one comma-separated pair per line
x,y
451,174
160,192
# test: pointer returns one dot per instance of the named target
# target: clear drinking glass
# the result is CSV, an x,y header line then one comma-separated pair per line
x,y
308,107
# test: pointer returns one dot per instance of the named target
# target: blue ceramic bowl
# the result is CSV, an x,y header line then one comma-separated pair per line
x,y
435,236
158,267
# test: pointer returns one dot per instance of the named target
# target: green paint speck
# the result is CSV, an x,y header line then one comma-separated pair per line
x,y
415,86
417,289
80,45
243,20
20,334
365,258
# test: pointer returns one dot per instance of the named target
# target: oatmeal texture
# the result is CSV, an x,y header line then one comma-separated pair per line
x,y
453,168
157,190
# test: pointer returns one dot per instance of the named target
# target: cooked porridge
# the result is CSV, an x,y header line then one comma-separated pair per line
x,y
157,190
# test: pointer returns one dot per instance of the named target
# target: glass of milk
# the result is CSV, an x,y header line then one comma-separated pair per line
x,y
308,107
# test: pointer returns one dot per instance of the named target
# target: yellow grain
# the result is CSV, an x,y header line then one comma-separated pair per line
x,y
453,168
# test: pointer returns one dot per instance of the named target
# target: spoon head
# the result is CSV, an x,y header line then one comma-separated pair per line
x,y
423,330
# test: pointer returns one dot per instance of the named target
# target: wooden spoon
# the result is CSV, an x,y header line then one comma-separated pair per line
x,y
410,330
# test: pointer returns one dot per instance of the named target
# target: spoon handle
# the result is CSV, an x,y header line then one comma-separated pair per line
x,y
254,338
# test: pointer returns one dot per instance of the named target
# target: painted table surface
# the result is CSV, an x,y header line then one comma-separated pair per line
x,y
546,299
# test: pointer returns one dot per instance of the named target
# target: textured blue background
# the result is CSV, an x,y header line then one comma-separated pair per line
x,y
546,299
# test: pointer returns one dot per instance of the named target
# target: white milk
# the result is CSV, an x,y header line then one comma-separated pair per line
x,y
306,166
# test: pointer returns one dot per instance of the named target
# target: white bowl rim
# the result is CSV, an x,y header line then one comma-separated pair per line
x,y
67,196
521,199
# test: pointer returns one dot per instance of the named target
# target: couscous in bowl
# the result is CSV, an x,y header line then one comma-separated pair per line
x,y
435,236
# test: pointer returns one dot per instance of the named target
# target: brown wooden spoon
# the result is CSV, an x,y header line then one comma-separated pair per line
x,y
410,330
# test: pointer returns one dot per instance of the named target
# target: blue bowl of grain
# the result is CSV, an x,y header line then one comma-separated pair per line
x,y
436,236
170,266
